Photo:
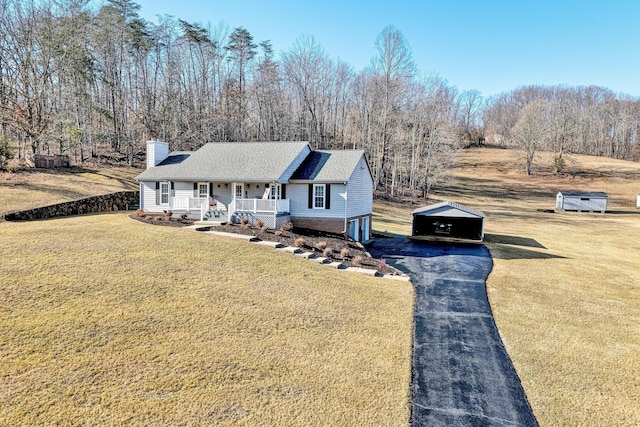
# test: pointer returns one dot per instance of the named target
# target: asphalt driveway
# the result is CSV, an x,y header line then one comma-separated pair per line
x,y
462,375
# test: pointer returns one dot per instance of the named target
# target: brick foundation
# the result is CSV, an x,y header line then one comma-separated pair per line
x,y
330,225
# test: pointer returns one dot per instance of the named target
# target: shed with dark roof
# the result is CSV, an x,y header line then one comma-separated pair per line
x,y
448,220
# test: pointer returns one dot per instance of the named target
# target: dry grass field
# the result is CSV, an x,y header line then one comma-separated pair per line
x,y
108,321
25,190
565,287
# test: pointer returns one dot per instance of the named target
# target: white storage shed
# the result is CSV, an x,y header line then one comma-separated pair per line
x,y
582,201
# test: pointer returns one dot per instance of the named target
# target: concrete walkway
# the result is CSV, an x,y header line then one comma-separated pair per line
x,y
462,374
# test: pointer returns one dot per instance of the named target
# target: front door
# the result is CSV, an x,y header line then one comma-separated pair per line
x,y
238,190
203,190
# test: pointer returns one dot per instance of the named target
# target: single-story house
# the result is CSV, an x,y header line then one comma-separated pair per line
x,y
448,219
275,182
589,201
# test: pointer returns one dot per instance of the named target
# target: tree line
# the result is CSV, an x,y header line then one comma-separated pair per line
x,y
565,120
96,84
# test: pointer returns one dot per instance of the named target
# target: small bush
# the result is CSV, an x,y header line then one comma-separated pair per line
x,y
286,226
321,245
278,233
344,252
183,215
244,220
140,213
327,252
260,223
357,260
300,242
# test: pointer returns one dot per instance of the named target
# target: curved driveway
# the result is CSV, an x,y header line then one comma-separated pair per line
x,y
462,375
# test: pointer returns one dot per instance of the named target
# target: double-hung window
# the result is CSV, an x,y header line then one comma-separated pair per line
x,y
318,196
164,192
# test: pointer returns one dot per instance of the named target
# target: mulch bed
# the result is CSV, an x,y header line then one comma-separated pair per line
x,y
348,252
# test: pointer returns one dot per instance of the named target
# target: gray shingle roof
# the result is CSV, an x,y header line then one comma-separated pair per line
x,y
228,161
328,166
441,207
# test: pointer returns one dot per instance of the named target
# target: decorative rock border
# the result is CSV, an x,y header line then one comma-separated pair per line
x,y
306,255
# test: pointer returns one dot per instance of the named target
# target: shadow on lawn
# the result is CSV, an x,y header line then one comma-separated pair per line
x,y
512,240
508,252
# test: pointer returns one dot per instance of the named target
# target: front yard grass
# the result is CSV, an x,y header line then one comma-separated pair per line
x,y
107,321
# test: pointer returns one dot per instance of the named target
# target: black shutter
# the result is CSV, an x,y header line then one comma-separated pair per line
x,y
173,189
283,191
310,196
157,193
195,189
327,196
211,189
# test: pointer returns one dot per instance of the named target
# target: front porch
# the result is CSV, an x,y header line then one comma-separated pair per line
x,y
272,212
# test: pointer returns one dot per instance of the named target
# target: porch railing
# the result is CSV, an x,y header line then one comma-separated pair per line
x,y
188,203
261,205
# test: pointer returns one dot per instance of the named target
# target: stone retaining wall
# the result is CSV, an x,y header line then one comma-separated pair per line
x,y
105,203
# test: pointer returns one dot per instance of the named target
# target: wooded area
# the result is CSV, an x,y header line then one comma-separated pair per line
x,y
96,84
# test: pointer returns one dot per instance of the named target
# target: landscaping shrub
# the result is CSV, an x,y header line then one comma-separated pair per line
x,y
300,242
344,253
357,260
327,252
260,223
286,226
321,245
140,213
244,220
183,215
278,233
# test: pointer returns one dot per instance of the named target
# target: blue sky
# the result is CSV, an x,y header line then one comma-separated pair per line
x,y
489,45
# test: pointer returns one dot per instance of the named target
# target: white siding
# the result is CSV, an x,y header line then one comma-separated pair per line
x,y
573,203
360,191
157,151
299,201
294,165
183,189
148,198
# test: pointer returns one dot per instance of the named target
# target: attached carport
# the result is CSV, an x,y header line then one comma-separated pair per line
x,y
448,220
